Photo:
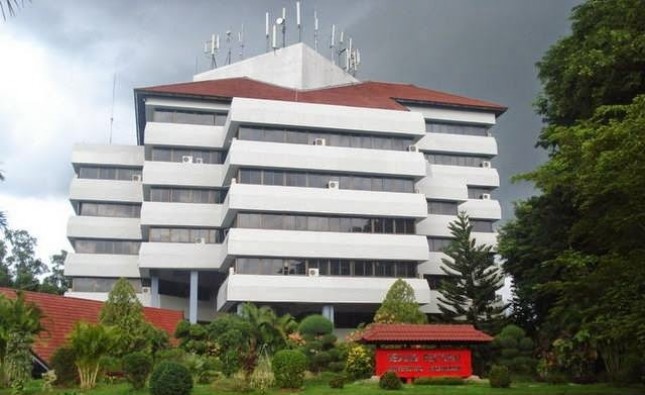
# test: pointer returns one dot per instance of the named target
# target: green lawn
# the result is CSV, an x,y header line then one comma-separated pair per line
x,y
372,389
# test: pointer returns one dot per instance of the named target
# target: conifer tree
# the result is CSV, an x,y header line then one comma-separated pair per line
x,y
468,291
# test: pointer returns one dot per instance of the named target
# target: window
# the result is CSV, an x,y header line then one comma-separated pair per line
x,y
110,210
481,225
98,284
456,160
438,243
186,195
109,173
186,235
448,128
192,117
326,267
318,223
477,192
178,154
90,246
434,280
443,207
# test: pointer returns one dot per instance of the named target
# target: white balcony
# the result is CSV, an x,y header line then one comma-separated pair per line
x,y
303,289
181,214
450,115
183,135
486,238
181,256
325,201
433,306
454,143
443,188
182,174
482,209
479,176
435,225
105,191
102,265
103,228
325,159
283,243
107,155
433,265
325,116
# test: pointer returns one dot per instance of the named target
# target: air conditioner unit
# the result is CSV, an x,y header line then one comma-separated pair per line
x,y
200,240
233,181
485,164
320,141
313,272
485,196
489,133
187,159
136,177
199,160
333,185
413,148
145,290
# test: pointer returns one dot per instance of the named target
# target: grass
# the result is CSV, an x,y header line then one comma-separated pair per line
x,y
370,388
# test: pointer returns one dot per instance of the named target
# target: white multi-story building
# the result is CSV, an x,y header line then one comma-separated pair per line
x,y
282,180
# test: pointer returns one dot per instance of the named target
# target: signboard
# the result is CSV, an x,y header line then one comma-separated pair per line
x,y
411,363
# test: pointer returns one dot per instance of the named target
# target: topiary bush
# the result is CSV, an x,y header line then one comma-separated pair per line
x,y
439,381
315,325
171,378
289,368
390,381
137,367
337,382
64,363
499,377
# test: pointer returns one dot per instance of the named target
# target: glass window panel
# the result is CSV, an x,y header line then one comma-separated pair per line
x,y
289,222
220,119
377,184
271,221
334,224
297,137
481,225
296,179
334,267
161,115
345,224
300,222
355,141
89,209
317,180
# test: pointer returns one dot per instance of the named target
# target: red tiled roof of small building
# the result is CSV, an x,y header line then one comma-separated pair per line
x,y
61,313
430,333
370,94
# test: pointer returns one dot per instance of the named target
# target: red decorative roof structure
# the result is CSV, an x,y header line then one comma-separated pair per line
x,y
430,333
370,94
61,313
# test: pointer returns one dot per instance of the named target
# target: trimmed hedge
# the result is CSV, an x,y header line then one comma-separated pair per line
x,y
390,381
315,325
499,377
137,367
439,381
171,378
289,368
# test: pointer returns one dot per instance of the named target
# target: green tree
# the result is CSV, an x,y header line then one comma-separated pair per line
x,y
90,343
472,278
20,323
400,306
56,282
124,311
515,350
24,267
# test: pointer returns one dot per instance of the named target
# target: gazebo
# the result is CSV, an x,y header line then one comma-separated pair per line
x,y
413,351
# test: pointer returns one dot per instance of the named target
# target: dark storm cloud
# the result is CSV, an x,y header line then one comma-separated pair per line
x,y
483,49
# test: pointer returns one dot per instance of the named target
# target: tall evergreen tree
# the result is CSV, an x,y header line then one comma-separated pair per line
x,y
56,282
472,278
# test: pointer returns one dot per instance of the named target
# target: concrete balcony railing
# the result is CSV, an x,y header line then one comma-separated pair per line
x,y
103,228
181,214
182,174
105,191
102,265
454,143
184,135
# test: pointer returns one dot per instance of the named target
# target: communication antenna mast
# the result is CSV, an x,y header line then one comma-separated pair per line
x,y
282,21
275,37
298,21
315,31
210,49
112,111
240,40
266,30
228,41
332,42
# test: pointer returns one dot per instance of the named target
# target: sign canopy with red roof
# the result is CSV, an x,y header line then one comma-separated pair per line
x,y
410,333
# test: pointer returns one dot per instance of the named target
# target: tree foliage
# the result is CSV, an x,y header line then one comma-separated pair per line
x,y
472,278
400,306
90,343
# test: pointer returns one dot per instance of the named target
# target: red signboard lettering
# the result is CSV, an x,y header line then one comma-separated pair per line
x,y
411,363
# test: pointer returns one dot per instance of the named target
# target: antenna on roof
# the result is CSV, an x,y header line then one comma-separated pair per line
x,y
315,30
240,40
282,21
228,41
298,21
112,111
332,42
210,49
274,43
266,30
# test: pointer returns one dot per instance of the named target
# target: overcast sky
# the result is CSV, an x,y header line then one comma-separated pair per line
x,y
58,58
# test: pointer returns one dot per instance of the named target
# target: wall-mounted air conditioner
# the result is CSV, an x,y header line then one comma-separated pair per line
x,y
199,160
485,164
187,159
145,290
333,184
485,196
136,177
320,141
313,272
413,148
200,240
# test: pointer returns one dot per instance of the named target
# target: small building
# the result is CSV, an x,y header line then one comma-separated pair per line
x,y
413,351
61,313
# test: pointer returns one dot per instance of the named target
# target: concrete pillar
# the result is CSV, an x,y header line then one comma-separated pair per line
x,y
328,312
192,304
154,290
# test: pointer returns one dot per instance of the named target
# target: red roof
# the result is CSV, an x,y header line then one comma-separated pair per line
x,y
61,313
396,333
369,94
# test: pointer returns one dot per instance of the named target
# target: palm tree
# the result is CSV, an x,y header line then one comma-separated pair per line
x,y
90,343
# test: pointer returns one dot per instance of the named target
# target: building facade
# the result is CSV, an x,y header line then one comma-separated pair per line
x,y
282,180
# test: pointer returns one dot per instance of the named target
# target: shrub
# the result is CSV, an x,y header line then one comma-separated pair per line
x,y
499,377
262,378
239,383
439,381
172,354
137,367
203,369
315,325
64,363
390,381
319,361
336,367
337,382
556,378
170,378
359,363
289,368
